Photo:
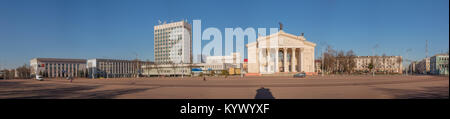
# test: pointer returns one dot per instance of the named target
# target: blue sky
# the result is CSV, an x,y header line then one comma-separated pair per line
x,y
121,29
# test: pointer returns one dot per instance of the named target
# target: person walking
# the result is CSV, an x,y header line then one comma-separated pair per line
x,y
70,78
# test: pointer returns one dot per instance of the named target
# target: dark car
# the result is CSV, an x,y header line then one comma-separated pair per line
x,y
300,75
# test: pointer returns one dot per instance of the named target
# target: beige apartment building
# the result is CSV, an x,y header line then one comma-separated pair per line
x,y
391,64
172,43
412,67
58,67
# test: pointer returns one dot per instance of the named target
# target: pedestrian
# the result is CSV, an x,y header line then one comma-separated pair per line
x,y
204,78
70,78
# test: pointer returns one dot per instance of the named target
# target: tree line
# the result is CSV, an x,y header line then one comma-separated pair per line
x,y
22,72
338,61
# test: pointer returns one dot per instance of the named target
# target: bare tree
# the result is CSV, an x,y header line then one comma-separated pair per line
x,y
5,74
383,60
8,74
24,71
340,61
351,64
156,65
174,68
372,65
329,59
399,62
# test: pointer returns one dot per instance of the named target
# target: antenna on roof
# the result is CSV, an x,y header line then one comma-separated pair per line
x,y
159,22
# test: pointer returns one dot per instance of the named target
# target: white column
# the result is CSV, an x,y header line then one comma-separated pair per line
x,y
121,69
126,68
58,69
76,70
301,64
277,68
260,56
268,59
293,60
285,60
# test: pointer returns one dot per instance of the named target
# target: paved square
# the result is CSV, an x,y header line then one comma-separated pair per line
x,y
313,87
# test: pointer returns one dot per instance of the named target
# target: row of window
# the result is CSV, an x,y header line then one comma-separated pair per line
x,y
167,29
167,39
65,67
116,67
166,49
167,58
171,71
161,55
443,58
168,33
159,44
59,70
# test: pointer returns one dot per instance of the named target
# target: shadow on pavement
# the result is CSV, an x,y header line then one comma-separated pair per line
x,y
19,90
264,93
108,94
425,93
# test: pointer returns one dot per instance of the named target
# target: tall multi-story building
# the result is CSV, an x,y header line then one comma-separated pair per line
x,y
412,67
57,67
439,64
391,64
173,43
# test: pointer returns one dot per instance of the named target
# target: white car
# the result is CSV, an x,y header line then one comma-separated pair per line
x,y
39,78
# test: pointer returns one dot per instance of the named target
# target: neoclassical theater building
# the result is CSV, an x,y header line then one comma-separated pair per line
x,y
281,52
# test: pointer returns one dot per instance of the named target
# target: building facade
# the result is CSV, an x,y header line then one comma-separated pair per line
x,y
439,64
58,67
281,52
317,66
113,68
391,64
168,69
172,43
412,67
233,58
423,66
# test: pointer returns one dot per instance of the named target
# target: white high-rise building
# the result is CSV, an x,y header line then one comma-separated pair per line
x,y
173,43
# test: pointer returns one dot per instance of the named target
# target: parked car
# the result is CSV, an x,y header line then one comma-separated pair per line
x,y
300,75
39,78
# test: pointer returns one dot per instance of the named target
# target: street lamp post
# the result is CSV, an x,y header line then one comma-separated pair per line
x,y
407,69
373,63
323,58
